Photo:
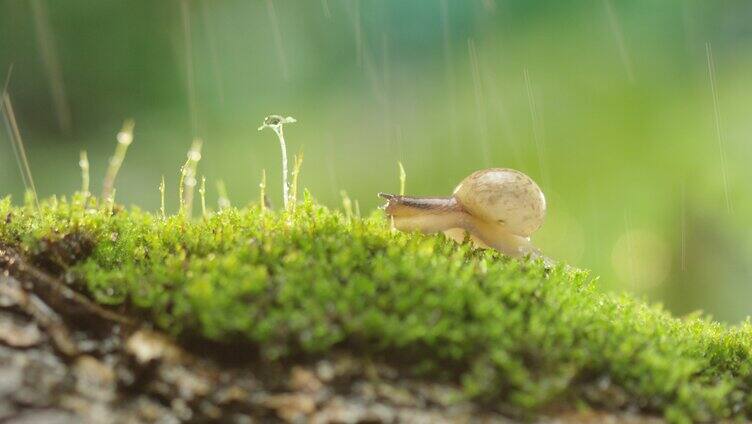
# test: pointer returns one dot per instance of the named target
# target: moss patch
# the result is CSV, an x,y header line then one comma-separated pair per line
x,y
517,336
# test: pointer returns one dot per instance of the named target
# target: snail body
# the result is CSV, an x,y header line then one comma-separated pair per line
x,y
498,208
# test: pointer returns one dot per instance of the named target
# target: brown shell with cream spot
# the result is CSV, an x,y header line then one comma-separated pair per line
x,y
506,196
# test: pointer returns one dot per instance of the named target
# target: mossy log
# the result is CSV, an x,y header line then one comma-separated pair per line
x,y
306,314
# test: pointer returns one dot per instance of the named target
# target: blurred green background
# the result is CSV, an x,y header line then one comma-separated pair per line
x,y
607,104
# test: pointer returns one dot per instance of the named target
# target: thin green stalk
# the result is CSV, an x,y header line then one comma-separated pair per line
x,y
181,187
124,139
83,162
111,201
403,178
188,176
262,190
223,201
202,192
276,124
18,147
347,205
297,164
162,196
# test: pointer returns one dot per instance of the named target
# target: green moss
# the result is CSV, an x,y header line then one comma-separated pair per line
x,y
516,335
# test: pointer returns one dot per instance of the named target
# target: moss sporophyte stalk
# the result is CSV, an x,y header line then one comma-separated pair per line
x,y
304,282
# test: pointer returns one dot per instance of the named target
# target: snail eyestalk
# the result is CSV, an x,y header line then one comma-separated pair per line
x,y
124,139
276,123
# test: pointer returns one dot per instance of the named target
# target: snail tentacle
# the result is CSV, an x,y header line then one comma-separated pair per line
x,y
425,214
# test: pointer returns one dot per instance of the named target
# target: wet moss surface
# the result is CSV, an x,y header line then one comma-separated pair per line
x,y
293,287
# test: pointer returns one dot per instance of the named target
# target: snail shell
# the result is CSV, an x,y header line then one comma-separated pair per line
x,y
506,196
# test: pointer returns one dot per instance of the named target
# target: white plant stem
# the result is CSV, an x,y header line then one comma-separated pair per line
x,y
285,185
276,123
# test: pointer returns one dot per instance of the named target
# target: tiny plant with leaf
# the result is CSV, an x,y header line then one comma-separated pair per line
x,y
276,123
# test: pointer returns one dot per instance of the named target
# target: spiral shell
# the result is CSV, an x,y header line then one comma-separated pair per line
x,y
505,196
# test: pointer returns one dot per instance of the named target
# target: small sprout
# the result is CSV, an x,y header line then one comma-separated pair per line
x,y
202,192
17,142
262,191
111,202
357,209
83,162
297,164
124,139
223,202
162,195
276,123
499,208
403,178
347,205
188,176
181,188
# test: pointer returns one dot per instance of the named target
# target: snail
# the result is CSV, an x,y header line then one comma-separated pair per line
x,y
498,208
